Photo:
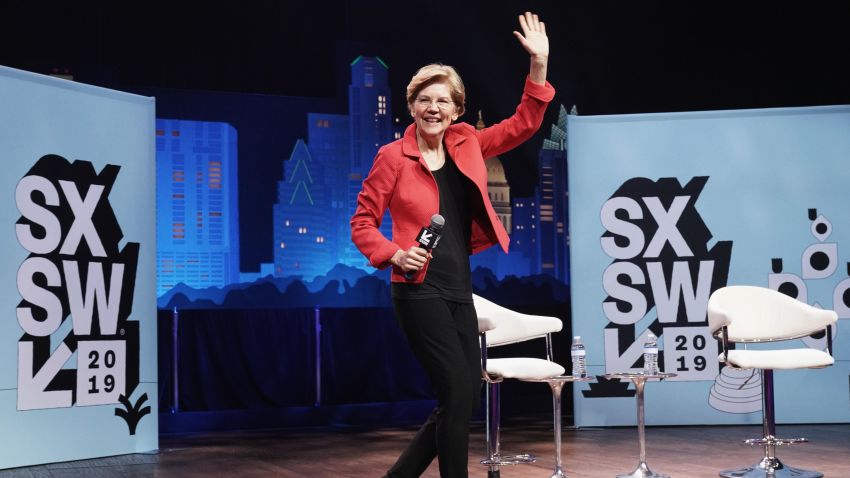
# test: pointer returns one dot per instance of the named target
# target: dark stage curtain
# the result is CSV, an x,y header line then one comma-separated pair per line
x,y
366,358
249,359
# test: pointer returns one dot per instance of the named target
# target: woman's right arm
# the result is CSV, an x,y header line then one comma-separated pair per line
x,y
373,200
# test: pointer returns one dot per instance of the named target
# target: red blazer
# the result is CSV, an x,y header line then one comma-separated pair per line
x,y
401,181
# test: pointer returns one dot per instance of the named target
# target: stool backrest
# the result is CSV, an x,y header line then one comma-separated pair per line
x,y
504,326
756,314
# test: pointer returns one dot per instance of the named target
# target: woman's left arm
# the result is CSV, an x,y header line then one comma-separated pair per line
x,y
537,94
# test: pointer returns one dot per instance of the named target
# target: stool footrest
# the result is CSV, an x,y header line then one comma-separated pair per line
x,y
771,440
770,468
521,459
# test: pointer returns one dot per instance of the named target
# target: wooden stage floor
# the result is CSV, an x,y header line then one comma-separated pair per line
x,y
684,452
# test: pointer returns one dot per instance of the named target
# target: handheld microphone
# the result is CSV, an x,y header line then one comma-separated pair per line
x,y
428,238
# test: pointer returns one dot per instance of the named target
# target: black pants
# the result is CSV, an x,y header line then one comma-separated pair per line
x,y
444,338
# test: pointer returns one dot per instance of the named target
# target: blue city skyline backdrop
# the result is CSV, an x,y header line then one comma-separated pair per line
x,y
199,226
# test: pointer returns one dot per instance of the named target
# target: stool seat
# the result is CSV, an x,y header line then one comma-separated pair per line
x,y
524,368
785,359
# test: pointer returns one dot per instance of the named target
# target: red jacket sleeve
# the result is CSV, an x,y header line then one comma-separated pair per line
x,y
372,202
510,133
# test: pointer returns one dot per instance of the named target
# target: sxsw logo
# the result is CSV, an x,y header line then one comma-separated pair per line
x,y
658,244
78,346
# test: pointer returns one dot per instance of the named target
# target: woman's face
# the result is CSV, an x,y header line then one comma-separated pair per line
x,y
433,111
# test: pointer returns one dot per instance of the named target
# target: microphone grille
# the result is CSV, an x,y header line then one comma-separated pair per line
x,y
437,221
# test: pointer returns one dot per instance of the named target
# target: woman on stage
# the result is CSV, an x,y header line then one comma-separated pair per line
x,y
438,167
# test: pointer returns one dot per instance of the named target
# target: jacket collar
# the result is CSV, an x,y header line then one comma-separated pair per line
x,y
410,148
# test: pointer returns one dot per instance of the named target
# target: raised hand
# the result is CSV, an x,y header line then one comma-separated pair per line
x,y
533,38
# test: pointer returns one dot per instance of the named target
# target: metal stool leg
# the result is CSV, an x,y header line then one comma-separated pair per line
x,y
770,466
493,439
557,387
495,459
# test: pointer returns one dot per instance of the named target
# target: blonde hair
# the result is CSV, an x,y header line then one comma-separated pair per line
x,y
437,73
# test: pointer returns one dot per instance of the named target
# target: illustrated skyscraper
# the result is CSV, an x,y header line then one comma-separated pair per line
x,y
554,197
302,228
525,235
329,143
197,204
370,122
338,154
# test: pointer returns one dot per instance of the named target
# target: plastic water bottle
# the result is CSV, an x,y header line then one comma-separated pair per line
x,y
578,352
650,355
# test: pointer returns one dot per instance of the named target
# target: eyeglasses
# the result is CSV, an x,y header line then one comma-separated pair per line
x,y
444,104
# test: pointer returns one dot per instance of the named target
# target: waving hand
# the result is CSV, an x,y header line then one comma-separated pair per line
x,y
533,38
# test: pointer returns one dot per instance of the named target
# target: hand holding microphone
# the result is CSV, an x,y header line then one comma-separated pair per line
x,y
414,258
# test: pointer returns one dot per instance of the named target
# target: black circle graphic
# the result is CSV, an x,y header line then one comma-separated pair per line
x,y
845,297
819,261
821,228
789,289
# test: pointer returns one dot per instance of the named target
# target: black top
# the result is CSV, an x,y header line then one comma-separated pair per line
x,y
448,274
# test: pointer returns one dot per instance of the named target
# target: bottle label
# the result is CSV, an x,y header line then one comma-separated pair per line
x,y
650,350
577,353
